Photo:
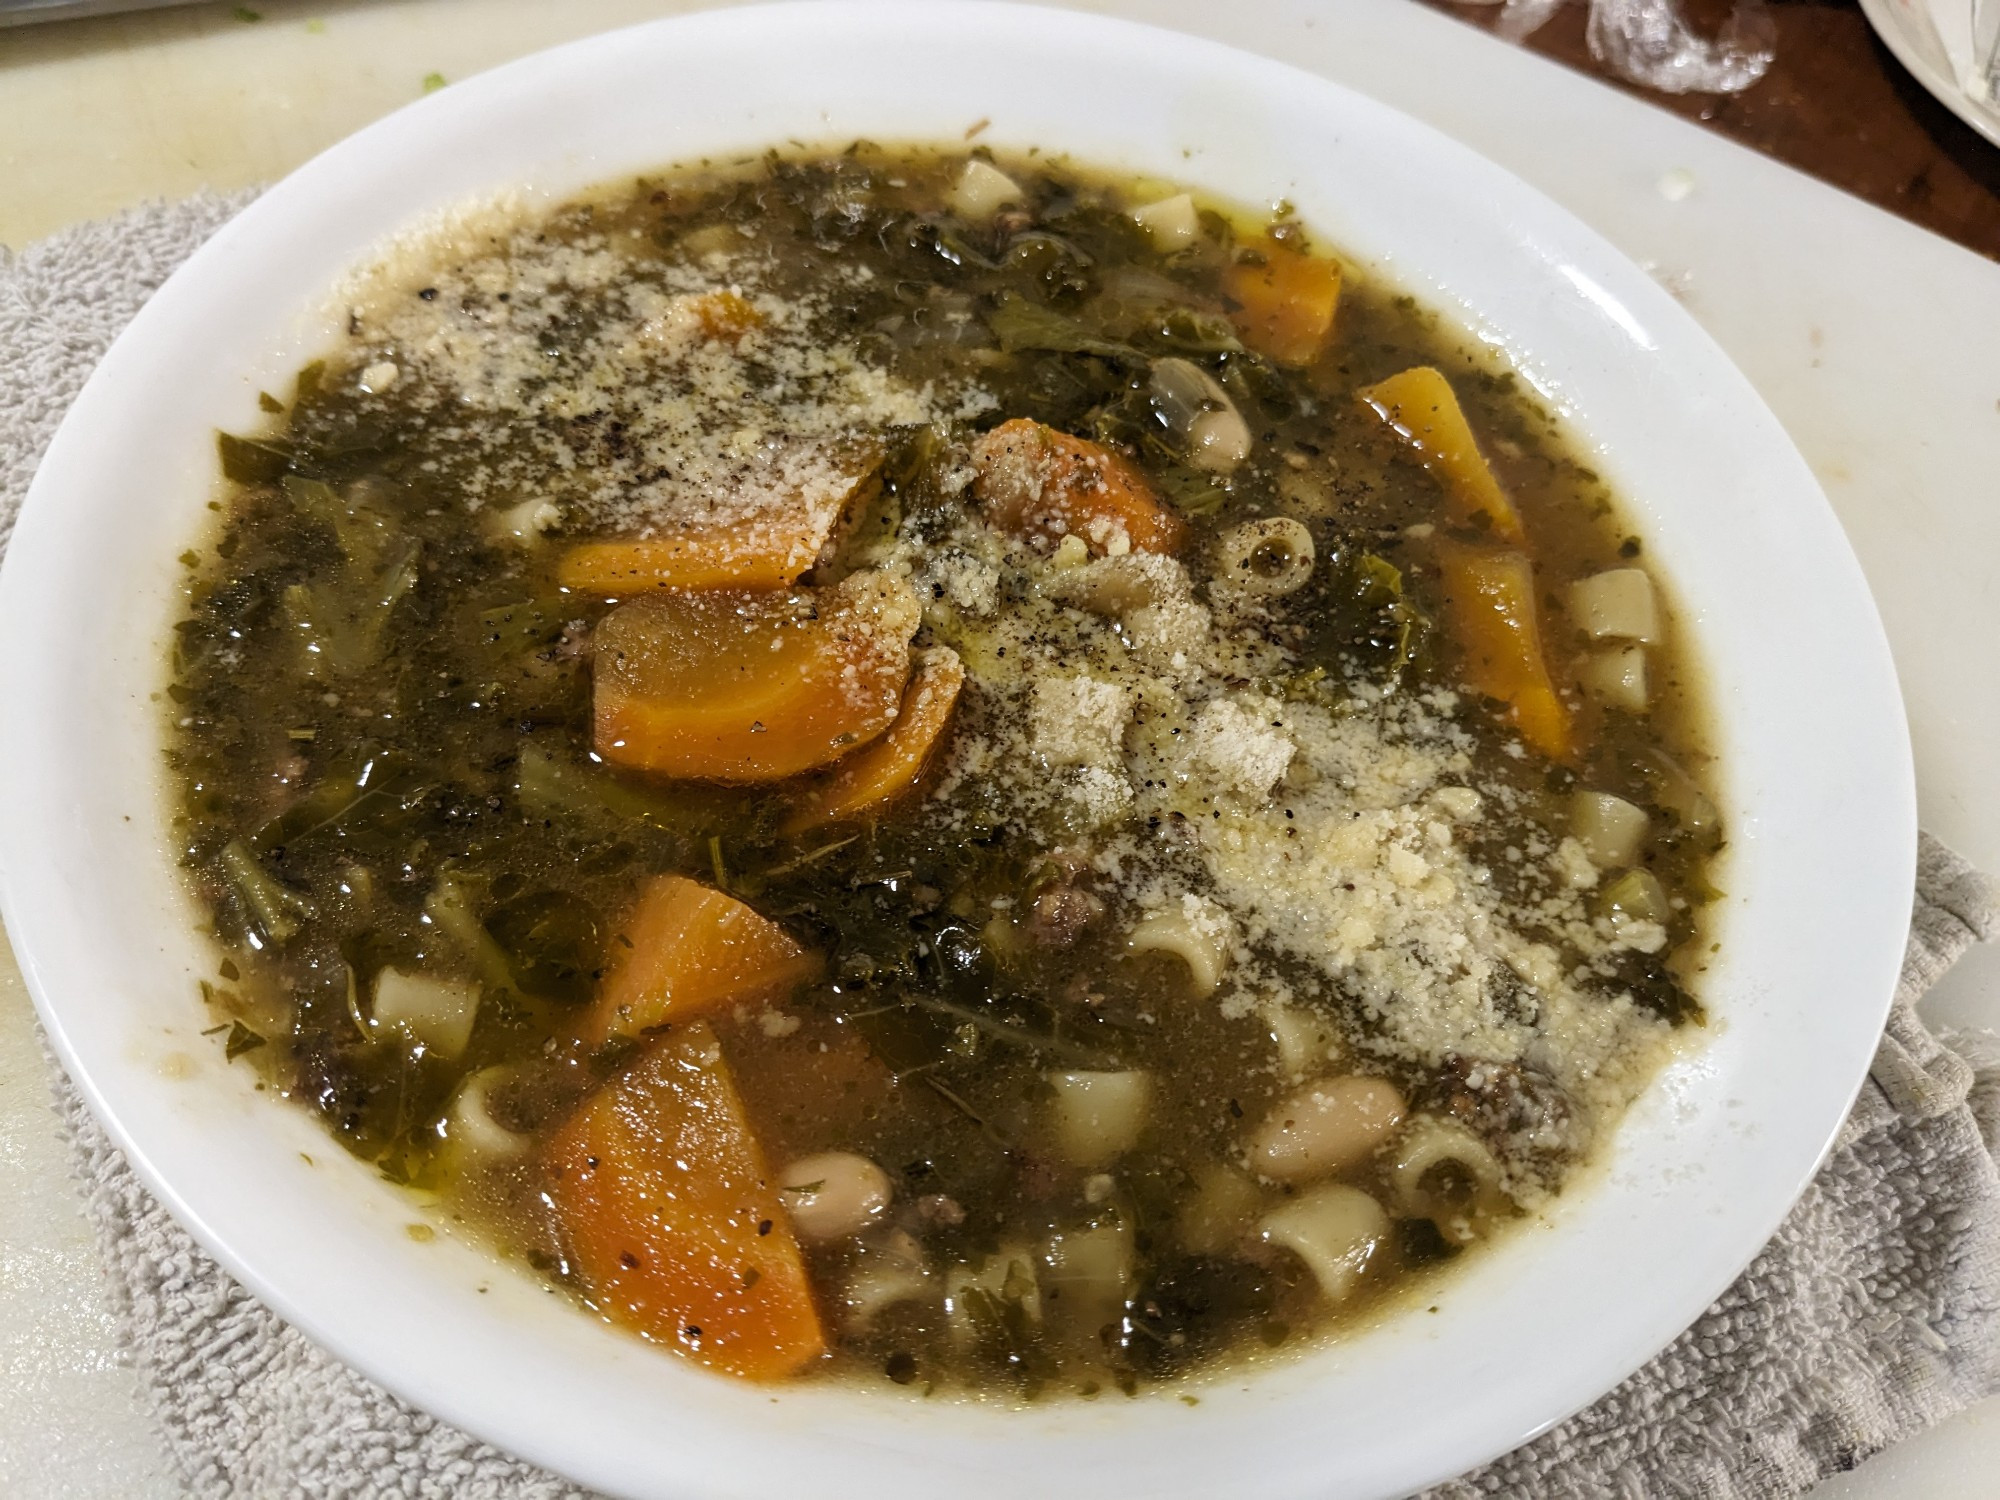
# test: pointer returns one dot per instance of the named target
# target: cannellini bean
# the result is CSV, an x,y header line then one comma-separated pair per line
x,y
982,191
1440,1171
833,1194
1616,678
1099,1116
1268,558
1336,1230
1325,1127
1617,604
1172,222
423,1010
1610,829
1219,440
1198,410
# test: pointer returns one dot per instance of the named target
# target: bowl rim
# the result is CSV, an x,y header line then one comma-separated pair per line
x,y
48,918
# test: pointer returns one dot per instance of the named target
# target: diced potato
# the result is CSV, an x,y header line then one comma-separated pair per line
x,y
1616,678
672,1219
1286,304
1422,408
752,687
1042,483
1492,599
982,191
425,1010
1610,829
1098,1117
783,534
1618,604
871,778
688,950
1172,223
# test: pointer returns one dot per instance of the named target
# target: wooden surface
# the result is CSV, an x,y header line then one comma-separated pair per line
x,y
1835,103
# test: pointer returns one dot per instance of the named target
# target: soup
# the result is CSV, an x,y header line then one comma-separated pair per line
x,y
937,768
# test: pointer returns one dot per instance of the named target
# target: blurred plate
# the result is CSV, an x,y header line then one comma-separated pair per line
x,y
1906,29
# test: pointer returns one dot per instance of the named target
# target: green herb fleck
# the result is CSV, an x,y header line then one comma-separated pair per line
x,y
433,82
241,1039
245,14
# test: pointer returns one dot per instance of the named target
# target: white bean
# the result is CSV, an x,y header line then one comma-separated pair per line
x,y
833,1194
1335,1230
1325,1127
1219,440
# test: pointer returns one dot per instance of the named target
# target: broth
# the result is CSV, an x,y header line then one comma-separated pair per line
x,y
1227,840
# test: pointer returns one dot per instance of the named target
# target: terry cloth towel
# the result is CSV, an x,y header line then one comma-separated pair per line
x,y
1873,1313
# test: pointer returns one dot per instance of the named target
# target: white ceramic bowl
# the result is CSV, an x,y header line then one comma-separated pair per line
x,y
1818,777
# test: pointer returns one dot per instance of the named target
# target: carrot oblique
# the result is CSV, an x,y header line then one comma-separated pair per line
x,y
741,687
871,778
1423,410
1037,481
1285,302
767,549
1491,594
687,950
673,1221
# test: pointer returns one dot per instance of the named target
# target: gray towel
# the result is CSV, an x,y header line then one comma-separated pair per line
x,y
1871,1315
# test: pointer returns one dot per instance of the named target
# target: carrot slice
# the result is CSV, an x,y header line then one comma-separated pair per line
x,y
724,315
1422,408
1037,481
688,949
1492,599
673,1221
774,529
869,778
1285,306
752,687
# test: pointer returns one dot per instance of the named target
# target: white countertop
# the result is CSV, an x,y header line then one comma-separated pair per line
x,y
1872,340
